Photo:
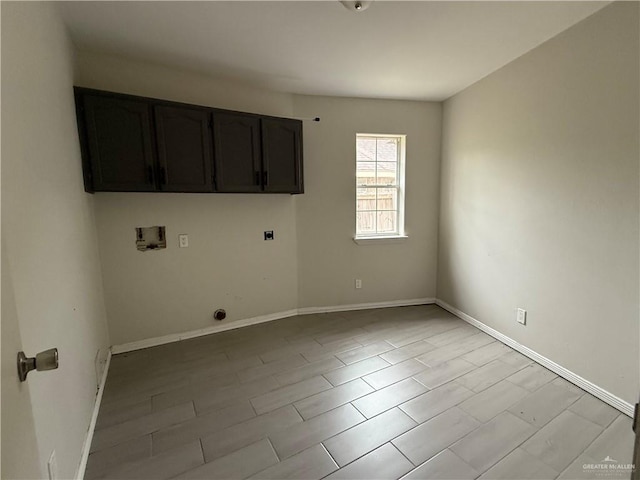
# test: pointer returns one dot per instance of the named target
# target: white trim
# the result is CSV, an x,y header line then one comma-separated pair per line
x,y
366,306
400,187
380,240
595,390
176,337
86,447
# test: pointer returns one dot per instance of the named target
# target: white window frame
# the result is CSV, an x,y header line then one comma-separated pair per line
x,y
384,237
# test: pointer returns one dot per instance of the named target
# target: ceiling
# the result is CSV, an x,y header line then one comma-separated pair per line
x,y
420,50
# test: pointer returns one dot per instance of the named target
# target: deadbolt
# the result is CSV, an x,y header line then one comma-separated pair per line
x,y
47,360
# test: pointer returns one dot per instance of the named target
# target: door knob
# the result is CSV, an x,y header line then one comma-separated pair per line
x,y
47,360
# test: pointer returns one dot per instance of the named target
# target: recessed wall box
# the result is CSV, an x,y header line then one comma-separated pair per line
x,y
150,238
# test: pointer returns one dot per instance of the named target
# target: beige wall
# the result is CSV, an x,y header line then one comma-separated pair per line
x,y
328,259
48,231
227,264
540,200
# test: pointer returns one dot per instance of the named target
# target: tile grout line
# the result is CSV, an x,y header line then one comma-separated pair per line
x,y
274,450
330,456
390,442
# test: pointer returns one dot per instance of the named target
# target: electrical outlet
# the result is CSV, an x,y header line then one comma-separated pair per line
x,y
268,235
52,466
521,316
358,283
184,240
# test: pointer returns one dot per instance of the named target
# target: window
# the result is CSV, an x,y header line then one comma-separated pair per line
x,y
379,185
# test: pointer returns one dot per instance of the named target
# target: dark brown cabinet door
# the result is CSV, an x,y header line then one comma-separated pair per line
x,y
282,155
236,139
119,143
184,149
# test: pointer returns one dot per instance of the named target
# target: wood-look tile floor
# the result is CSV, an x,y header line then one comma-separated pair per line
x,y
410,392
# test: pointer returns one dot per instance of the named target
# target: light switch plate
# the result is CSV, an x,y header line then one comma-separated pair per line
x,y
521,316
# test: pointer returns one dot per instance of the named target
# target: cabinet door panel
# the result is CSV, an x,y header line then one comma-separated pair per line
x,y
236,140
119,141
184,149
282,155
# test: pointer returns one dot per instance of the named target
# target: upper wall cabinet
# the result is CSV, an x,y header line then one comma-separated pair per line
x,y
138,144
281,153
184,149
238,163
118,145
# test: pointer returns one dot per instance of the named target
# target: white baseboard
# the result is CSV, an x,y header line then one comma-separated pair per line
x,y
176,337
366,306
593,389
86,447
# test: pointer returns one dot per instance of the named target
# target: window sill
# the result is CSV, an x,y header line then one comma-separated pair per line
x,y
380,240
